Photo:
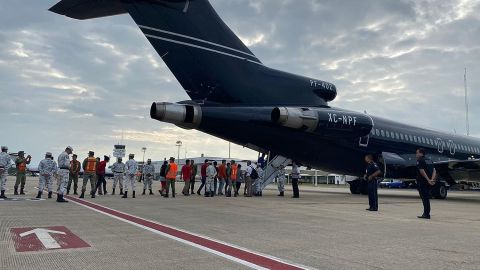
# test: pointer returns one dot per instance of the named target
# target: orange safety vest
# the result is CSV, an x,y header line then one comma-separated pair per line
x,y
233,173
172,172
21,167
91,165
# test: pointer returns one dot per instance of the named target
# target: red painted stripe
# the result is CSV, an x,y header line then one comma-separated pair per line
x,y
211,244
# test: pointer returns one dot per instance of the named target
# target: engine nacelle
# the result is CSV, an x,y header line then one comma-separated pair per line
x,y
187,116
324,121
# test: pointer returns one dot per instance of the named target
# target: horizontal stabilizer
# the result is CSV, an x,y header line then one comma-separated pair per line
x,y
88,9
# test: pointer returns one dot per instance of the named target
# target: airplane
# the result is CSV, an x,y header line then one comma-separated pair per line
x,y
234,96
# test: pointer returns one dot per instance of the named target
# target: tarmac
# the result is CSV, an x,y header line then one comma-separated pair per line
x,y
327,228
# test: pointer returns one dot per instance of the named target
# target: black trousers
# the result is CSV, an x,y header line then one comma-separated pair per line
x,y
192,185
204,178
424,191
101,182
373,194
296,192
238,186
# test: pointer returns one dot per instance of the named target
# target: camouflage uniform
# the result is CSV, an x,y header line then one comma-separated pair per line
x,y
148,171
63,172
5,164
73,176
118,169
131,169
47,168
281,180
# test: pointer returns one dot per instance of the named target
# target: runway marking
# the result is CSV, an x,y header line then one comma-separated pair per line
x,y
236,254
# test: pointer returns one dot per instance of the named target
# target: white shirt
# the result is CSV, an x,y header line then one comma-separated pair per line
x,y
64,161
131,166
249,171
211,171
295,172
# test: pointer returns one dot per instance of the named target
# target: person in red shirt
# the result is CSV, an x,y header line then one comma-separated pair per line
x,y
101,176
186,175
203,174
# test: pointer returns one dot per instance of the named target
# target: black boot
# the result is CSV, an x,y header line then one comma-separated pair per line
x,y
68,191
82,195
75,192
121,191
125,194
60,199
2,195
100,191
15,191
113,192
21,191
92,194
133,194
39,195
50,195
281,194
143,192
151,192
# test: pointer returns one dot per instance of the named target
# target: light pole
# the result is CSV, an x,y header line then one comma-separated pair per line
x,y
179,145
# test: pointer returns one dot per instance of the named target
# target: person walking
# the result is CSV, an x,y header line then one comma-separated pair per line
x,y
371,175
193,176
148,172
222,176
89,173
21,163
73,176
47,168
211,172
186,176
163,179
426,177
131,168
295,179
5,164
118,169
101,182
63,172
203,174
171,175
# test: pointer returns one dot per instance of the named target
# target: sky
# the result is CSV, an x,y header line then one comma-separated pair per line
x,y
90,84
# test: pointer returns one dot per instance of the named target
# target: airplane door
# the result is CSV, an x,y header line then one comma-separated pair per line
x,y
363,142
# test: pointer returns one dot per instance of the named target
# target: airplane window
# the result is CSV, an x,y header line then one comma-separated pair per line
x,y
377,132
415,138
397,136
383,132
423,140
401,136
411,138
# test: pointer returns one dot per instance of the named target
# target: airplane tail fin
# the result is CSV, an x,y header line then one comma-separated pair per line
x,y
211,63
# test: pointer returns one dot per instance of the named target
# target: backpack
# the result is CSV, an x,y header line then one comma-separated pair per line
x,y
254,174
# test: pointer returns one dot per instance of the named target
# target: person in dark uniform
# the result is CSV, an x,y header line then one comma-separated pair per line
x,y
373,171
426,175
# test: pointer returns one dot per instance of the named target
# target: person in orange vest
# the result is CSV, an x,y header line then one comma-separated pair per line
x,y
89,173
232,178
21,162
172,170
74,171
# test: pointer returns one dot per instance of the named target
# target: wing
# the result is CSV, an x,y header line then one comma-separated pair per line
x,y
457,170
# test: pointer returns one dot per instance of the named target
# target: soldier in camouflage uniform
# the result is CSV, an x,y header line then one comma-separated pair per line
x,y
63,172
118,169
21,162
47,168
148,172
281,181
131,167
5,164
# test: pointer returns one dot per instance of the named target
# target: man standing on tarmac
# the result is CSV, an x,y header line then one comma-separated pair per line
x,y
131,169
101,167
248,179
148,172
74,171
186,176
5,164
47,167
172,170
211,173
163,177
295,178
89,173
281,181
426,177
222,177
203,174
193,176
63,172
21,162
228,181
118,169
373,171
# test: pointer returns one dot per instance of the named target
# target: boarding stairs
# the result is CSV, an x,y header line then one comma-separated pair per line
x,y
270,171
